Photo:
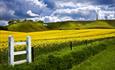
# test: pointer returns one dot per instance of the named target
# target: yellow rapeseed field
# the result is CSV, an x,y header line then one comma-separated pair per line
x,y
56,36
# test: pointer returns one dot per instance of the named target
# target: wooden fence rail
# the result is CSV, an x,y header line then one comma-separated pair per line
x,y
12,53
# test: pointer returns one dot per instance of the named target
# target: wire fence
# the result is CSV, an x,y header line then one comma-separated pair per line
x,y
46,46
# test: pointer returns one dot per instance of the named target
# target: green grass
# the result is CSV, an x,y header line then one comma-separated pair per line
x,y
27,26
103,61
31,26
99,24
64,58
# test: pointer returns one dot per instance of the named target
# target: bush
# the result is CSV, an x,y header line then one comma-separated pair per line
x,y
3,28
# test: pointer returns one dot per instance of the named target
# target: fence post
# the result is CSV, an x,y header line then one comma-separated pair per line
x,y
71,45
28,42
11,50
32,54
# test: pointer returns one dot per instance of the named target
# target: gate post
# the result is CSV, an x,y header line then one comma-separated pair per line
x,y
28,42
12,53
11,50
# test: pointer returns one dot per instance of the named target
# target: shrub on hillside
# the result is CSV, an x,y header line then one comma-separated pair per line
x,y
3,28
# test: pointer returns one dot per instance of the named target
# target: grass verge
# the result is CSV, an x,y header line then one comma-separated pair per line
x,y
103,61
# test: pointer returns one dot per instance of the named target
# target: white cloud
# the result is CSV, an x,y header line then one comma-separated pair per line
x,y
66,18
71,4
65,4
37,3
50,19
106,14
71,8
81,19
12,12
51,10
111,16
30,13
47,19
3,8
67,11
71,11
3,23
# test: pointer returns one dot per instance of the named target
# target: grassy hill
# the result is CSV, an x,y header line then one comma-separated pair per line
x,y
32,26
27,26
100,24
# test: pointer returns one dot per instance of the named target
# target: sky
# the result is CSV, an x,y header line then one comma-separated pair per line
x,y
57,10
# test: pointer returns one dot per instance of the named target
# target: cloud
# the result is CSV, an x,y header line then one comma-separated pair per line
x,y
55,19
51,19
55,10
37,3
50,3
30,13
66,4
20,8
72,11
70,4
106,14
3,23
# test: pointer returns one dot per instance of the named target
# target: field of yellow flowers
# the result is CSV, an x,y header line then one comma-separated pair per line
x,y
56,36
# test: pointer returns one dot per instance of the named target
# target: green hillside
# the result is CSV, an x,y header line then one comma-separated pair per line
x,y
31,26
100,24
27,26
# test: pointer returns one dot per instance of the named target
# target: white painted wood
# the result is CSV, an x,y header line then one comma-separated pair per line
x,y
11,50
20,62
12,53
20,43
19,52
28,42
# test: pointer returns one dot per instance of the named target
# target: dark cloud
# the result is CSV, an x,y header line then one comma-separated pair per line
x,y
16,9
104,2
50,3
20,7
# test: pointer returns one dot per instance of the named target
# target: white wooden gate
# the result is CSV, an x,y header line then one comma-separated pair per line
x,y
12,53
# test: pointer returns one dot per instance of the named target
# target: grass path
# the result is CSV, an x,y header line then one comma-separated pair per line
x,y
103,61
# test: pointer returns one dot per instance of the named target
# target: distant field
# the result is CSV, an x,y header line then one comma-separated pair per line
x,y
56,36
